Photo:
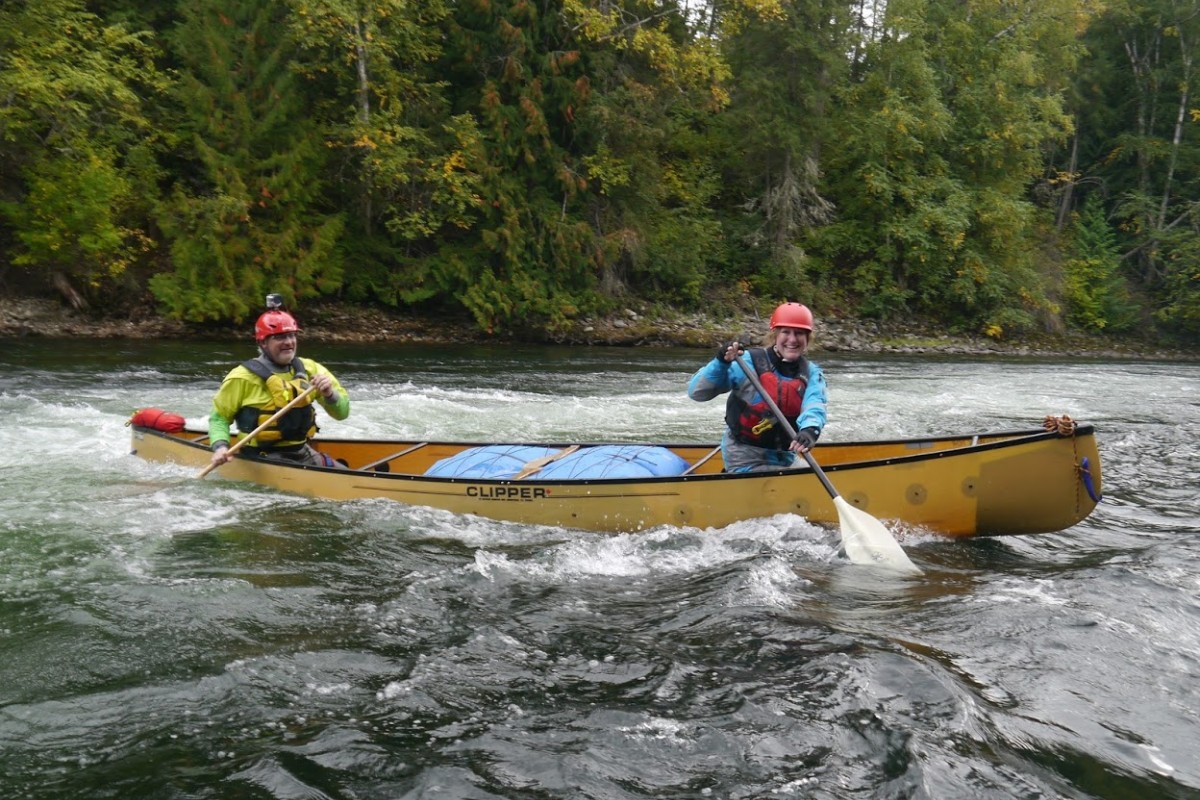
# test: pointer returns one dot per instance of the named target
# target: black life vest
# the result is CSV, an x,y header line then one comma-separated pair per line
x,y
753,422
298,425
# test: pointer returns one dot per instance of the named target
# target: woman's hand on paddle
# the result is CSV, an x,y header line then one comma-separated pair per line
x,y
804,441
728,351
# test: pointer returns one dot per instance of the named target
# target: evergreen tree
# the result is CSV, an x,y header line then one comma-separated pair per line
x,y
785,69
243,216
399,161
1095,293
530,255
654,86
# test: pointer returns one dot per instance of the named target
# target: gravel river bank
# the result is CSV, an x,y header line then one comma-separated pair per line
x,y
629,328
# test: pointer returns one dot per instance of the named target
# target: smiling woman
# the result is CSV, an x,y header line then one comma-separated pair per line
x,y
794,393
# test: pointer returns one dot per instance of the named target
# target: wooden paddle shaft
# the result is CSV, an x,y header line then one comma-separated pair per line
x,y
271,419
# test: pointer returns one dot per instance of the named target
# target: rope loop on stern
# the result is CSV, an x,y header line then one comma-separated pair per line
x,y
1064,425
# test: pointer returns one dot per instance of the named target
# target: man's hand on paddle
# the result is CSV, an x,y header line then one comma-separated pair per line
x,y
221,454
324,386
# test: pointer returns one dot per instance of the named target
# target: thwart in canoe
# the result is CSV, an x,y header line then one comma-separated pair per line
x,y
1039,480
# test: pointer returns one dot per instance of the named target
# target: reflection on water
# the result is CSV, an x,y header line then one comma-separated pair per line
x,y
168,637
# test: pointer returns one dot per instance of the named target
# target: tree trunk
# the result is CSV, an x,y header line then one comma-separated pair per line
x,y
64,287
364,114
1068,195
1181,115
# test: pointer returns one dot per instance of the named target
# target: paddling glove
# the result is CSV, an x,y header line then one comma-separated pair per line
x,y
721,350
808,436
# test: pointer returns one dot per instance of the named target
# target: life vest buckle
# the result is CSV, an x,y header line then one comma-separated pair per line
x,y
762,427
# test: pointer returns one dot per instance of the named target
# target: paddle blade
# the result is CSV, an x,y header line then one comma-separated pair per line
x,y
867,541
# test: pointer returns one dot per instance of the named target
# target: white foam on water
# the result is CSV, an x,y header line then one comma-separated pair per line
x,y
1040,592
770,547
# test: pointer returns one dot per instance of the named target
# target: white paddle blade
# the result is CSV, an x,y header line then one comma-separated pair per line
x,y
867,541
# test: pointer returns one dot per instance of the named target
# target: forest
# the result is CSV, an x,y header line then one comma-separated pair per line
x,y
998,167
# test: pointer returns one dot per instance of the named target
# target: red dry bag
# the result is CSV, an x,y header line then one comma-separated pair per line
x,y
158,419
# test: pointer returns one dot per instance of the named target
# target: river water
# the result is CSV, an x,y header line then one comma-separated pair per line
x,y
164,637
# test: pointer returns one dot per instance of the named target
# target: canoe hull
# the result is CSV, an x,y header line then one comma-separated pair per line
x,y
986,485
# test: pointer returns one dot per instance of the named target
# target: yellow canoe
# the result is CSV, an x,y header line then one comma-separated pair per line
x,y
988,484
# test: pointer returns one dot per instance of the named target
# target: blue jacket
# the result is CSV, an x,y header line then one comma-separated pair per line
x,y
746,407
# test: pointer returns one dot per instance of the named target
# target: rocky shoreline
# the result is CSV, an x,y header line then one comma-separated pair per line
x,y
332,322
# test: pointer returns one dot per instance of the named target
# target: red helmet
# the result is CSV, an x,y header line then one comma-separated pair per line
x,y
792,315
273,322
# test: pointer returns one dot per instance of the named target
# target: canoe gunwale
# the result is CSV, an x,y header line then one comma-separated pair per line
x,y
1008,439
987,484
